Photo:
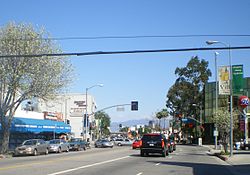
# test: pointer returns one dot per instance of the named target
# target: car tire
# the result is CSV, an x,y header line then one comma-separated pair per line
x,y
67,150
59,150
35,152
79,148
142,153
119,144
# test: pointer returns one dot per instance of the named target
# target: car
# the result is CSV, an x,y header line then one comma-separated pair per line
x,y
32,147
58,146
123,142
154,143
77,144
136,144
103,143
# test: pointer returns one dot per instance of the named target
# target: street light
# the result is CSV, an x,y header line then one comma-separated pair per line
x,y
210,42
86,114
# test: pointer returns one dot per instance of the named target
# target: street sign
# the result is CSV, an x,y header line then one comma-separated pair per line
x,y
216,133
184,120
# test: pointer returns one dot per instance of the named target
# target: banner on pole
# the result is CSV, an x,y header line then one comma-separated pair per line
x,y
224,80
238,81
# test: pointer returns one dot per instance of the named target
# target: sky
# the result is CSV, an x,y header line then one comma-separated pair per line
x,y
145,77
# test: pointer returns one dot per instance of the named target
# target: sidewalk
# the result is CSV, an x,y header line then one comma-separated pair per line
x,y
240,161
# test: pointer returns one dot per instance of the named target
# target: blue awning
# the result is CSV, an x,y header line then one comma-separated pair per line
x,y
35,125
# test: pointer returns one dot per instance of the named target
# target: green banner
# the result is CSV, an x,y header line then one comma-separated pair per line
x,y
238,81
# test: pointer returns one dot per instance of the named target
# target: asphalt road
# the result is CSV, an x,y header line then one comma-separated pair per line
x,y
186,160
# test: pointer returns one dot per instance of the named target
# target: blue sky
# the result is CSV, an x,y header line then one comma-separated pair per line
x,y
142,77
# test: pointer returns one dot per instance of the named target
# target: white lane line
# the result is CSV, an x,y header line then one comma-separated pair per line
x,y
87,166
157,164
140,173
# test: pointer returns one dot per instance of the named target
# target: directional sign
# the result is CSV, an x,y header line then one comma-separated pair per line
x,y
184,120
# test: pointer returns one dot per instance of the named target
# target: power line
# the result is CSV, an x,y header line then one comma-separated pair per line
x,y
134,37
127,52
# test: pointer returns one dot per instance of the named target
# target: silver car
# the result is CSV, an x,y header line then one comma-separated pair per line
x,y
32,147
58,146
103,143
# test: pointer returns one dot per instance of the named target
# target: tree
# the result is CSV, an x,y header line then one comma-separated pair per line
x,y
189,87
105,122
222,120
25,77
161,114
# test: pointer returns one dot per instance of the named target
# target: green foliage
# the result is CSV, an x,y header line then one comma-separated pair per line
x,y
188,88
105,122
162,114
25,77
221,118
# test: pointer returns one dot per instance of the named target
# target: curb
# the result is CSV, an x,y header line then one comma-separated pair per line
x,y
222,157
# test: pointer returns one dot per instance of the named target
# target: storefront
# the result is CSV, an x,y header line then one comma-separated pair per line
x,y
27,128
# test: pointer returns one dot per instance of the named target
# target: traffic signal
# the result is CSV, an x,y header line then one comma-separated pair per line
x,y
134,105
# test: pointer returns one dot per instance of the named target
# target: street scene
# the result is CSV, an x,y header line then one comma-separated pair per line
x,y
130,87
121,160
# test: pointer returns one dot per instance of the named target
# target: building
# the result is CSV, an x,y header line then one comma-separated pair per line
x,y
28,124
223,101
73,109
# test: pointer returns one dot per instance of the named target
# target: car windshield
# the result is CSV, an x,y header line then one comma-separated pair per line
x,y
54,141
29,142
75,140
151,138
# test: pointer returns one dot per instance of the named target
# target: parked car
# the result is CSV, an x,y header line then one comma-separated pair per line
x,y
58,146
136,144
123,142
77,144
154,143
32,147
103,143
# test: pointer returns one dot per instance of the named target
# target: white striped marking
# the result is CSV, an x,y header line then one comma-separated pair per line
x,y
157,164
140,173
87,166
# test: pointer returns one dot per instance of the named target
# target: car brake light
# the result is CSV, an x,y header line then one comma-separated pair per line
x,y
140,142
162,143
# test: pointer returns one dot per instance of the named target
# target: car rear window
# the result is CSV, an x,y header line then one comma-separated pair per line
x,y
151,138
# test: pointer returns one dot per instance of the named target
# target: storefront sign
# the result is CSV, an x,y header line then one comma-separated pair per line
x,y
243,101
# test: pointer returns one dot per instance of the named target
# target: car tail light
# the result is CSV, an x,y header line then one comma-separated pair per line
x,y
162,143
140,142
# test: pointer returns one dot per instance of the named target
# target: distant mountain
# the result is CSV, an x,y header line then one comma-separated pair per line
x,y
115,125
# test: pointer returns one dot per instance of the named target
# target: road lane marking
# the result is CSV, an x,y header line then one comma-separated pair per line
x,y
157,164
87,166
140,173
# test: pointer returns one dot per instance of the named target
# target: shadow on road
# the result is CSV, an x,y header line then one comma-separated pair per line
x,y
208,169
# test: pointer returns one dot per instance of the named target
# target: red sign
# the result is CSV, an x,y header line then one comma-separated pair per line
x,y
243,101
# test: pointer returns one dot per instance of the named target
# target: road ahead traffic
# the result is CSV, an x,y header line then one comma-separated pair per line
x,y
186,160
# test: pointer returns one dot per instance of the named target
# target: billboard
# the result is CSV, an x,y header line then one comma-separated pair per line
x,y
224,80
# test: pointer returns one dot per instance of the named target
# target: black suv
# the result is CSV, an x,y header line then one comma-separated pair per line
x,y
154,143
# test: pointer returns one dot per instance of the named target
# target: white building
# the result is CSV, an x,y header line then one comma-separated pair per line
x,y
72,107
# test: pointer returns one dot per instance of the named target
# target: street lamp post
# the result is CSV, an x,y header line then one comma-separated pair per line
x,y
210,42
86,112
